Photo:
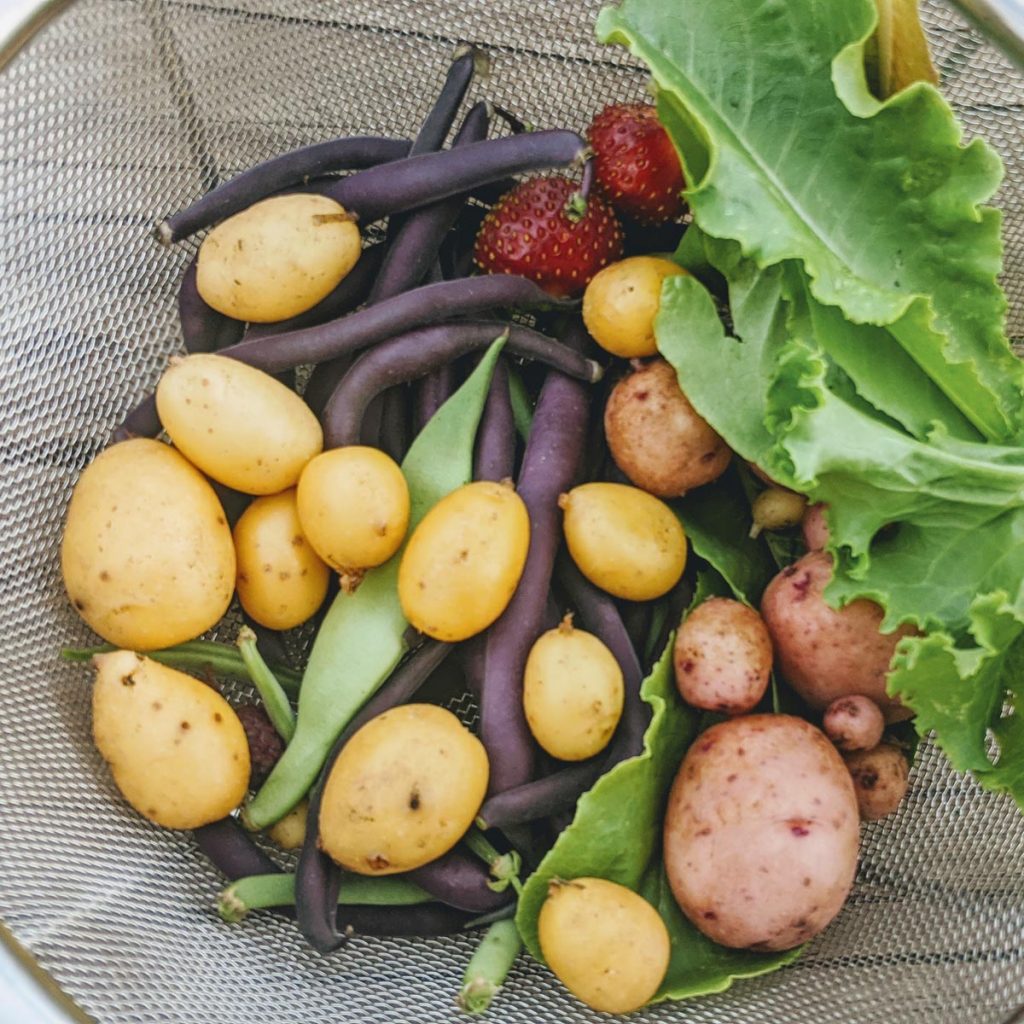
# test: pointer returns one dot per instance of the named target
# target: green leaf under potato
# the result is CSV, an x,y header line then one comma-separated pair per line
x,y
788,153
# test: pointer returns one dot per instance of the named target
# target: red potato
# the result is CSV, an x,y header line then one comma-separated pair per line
x,y
815,527
761,833
723,657
881,777
657,438
824,653
854,723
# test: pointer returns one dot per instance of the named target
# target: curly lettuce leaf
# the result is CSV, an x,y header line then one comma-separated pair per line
x,y
880,204
616,834
932,529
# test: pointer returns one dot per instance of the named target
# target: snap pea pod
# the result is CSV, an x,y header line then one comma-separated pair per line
x,y
275,700
489,966
200,656
260,892
362,637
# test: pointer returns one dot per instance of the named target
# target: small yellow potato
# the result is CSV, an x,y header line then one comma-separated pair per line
x,y
290,832
403,791
777,508
657,438
607,945
761,832
621,302
463,562
624,540
175,747
572,692
281,582
147,556
236,423
354,507
278,258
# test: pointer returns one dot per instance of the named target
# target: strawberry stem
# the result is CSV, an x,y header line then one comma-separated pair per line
x,y
576,207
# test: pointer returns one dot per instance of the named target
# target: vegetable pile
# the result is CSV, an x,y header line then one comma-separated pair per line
x,y
699,529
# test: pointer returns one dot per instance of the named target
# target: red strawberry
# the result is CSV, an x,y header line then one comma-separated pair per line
x,y
531,232
636,164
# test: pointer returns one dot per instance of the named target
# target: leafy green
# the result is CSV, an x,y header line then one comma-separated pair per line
x,y
616,835
952,565
717,523
362,637
788,153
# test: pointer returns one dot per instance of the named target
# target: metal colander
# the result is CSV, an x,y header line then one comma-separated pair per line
x,y
121,111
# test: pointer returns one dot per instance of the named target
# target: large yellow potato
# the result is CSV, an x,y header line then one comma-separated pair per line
x,y
278,258
762,832
175,747
281,581
621,302
354,507
236,423
607,945
146,555
572,693
463,562
624,540
403,791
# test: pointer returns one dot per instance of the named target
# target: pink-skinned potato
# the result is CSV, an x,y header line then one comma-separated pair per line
x,y
761,833
823,652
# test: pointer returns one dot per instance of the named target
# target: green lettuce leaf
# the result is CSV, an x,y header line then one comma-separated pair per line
x,y
616,834
881,206
932,529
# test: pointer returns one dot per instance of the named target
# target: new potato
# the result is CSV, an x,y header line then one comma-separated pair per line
x,y
175,747
281,581
761,832
353,504
146,554
572,693
403,791
624,540
463,562
607,945
278,258
824,652
621,302
237,424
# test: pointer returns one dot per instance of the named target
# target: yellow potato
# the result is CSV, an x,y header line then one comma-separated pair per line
x,y
278,258
624,540
290,832
572,693
237,424
607,945
463,562
621,302
354,507
281,582
146,555
403,791
175,747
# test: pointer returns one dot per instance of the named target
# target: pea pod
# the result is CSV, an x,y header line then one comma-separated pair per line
x,y
363,634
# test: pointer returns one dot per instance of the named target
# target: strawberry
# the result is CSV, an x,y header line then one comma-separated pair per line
x,y
535,230
636,165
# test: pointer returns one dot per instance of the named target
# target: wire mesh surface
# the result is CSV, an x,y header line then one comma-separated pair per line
x,y
122,111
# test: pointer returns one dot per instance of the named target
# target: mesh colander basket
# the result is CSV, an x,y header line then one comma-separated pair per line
x,y
120,111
